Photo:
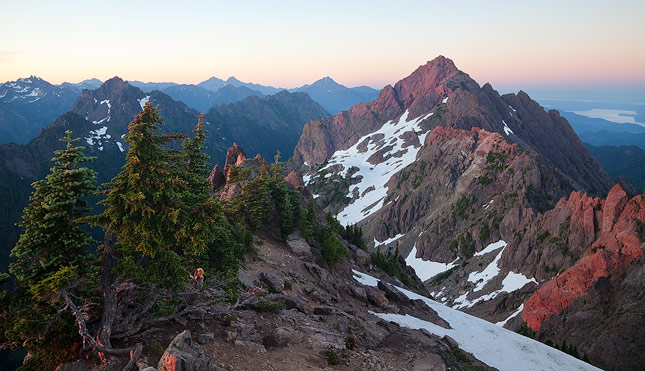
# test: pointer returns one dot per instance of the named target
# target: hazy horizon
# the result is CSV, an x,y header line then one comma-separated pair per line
x,y
292,43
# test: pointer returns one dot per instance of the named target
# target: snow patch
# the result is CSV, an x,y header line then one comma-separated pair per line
x,y
491,247
502,323
388,241
98,137
143,101
486,206
106,118
491,344
491,271
118,144
426,269
507,130
444,100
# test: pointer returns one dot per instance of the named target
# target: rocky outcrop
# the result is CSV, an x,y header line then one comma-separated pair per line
x,y
606,323
621,240
235,156
183,355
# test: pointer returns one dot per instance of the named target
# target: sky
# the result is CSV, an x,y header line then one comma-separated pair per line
x,y
511,44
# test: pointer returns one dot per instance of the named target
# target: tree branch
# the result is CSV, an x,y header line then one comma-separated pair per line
x,y
82,329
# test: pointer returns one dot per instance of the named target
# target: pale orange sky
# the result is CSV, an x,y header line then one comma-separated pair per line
x,y
291,43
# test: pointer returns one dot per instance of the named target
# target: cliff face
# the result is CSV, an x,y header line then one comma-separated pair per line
x,y
620,240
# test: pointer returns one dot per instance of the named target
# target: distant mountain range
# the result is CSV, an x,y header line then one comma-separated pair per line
x,y
600,132
101,117
27,105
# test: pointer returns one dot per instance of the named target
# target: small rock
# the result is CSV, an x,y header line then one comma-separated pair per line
x,y
183,355
360,293
258,348
324,311
298,303
452,343
205,338
245,279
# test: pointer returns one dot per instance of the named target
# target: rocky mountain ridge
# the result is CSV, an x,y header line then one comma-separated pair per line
x,y
28,104
482,194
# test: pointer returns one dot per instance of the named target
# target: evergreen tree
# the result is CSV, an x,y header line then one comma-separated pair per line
x,y
143,206
52,238
203,224
51,252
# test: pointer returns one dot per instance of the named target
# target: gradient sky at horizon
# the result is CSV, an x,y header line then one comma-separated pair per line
x,y
290,43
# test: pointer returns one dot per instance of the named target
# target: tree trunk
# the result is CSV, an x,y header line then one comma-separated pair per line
x,y
109,291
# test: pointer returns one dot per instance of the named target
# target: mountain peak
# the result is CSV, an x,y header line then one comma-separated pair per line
x,y
115,83
233,80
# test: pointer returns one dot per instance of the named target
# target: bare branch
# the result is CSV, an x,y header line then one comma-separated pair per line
x,y
85,335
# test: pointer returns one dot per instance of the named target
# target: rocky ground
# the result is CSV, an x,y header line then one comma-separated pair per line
x,y
322,323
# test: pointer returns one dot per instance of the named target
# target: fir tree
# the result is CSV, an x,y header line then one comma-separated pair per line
x,y
143,206
203,224
52,238
50,254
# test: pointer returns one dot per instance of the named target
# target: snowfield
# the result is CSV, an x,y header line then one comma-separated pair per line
x,y
512,282
372,187
490,343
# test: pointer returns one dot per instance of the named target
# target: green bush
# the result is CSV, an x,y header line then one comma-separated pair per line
x,y
332,357
331,248
265,306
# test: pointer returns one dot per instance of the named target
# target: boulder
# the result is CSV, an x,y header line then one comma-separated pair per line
x,y
376,297
276,283
392,294
299,245
245,279
281,337
182,355
362,257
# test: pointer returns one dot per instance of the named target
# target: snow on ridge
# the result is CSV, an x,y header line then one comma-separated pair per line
x,y
491,247
98,137
106,118
494,345
491,271
426,269
143,101
507,130
388,241
519,309
486,206
399,156
512,282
